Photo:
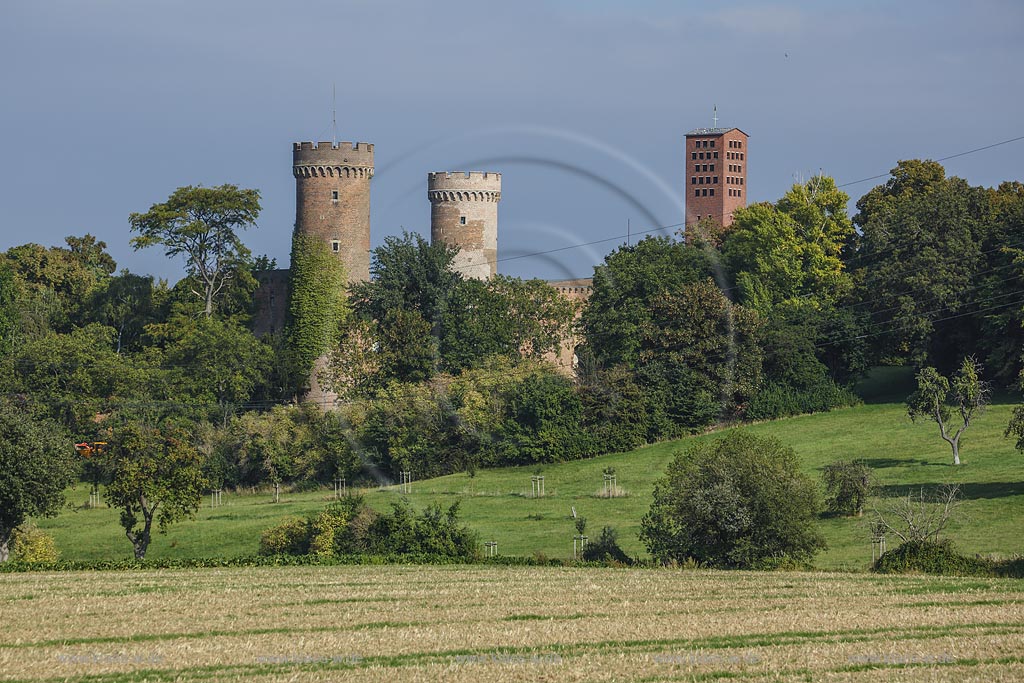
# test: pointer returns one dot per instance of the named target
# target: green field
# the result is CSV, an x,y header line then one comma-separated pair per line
x,y
498,503
472,623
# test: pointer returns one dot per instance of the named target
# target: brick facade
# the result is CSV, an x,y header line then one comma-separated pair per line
x,y
716,174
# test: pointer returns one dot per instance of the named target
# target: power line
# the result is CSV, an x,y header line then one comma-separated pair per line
x,y
935,320
951,156
719,216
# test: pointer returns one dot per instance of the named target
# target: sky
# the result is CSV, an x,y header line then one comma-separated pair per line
x,y
107,106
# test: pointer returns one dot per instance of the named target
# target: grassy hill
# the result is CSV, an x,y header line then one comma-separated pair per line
x,y
905,456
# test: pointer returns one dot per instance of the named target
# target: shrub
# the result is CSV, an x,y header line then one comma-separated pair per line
x,y
774,400
433,532
606,548
290,537
847,485
30,544
932,557
736,502
349,527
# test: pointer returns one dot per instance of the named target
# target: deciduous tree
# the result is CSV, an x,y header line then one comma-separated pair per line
x,y
735,502
201,223
36,466
937,397
155,476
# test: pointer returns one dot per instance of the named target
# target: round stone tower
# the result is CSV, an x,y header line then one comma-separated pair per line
x,y
464,214
332,199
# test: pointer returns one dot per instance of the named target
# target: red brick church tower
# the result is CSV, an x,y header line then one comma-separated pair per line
x,y
716,174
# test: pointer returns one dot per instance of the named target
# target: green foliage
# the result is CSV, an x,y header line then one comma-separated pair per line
x,y
919,257
932,557
432,532
286,444
936,396
73,376
10,315
818,208
542,423
349,527
614,409
763,252
30,544
411,274
1001,339
779,253
409,349
700,360
503,316
581,525
1016,426
413,427
213,360
617,315
606,549
847,486
774,400
201,223
154,473
735,502
36,466
317,304
125,303
56,283
290,537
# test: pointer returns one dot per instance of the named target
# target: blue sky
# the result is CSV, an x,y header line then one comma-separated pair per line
x,y
109,105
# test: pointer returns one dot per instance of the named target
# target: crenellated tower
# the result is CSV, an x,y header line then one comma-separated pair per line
x,y
332,199
464,214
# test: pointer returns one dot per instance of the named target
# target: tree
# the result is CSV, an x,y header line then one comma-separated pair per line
x,y
920,517
36,465
818,209
412,274
918,263
847,484
10,315
126,304
503,315
1002,328
698,358
56,282
1016,426
213,360
407,299
764,254
202,223
77,375
936,397
154,473
735,502
630,279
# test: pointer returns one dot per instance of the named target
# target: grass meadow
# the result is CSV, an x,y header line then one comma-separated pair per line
x,y
498,503
475,623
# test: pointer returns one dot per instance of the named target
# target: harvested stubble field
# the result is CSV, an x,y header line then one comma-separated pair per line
x,y
471,623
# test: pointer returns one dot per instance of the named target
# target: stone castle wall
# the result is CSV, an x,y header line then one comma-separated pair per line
x,y
332,199
464,214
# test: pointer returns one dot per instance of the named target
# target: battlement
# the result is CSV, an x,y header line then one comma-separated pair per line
x,y
327,153
460,180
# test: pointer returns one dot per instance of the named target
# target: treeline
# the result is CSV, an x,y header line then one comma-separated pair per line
x,y
777,315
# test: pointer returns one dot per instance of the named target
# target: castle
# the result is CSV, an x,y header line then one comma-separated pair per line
x,y
332,204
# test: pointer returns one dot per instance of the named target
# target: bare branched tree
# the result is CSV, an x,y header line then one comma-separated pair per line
x,y
921,516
